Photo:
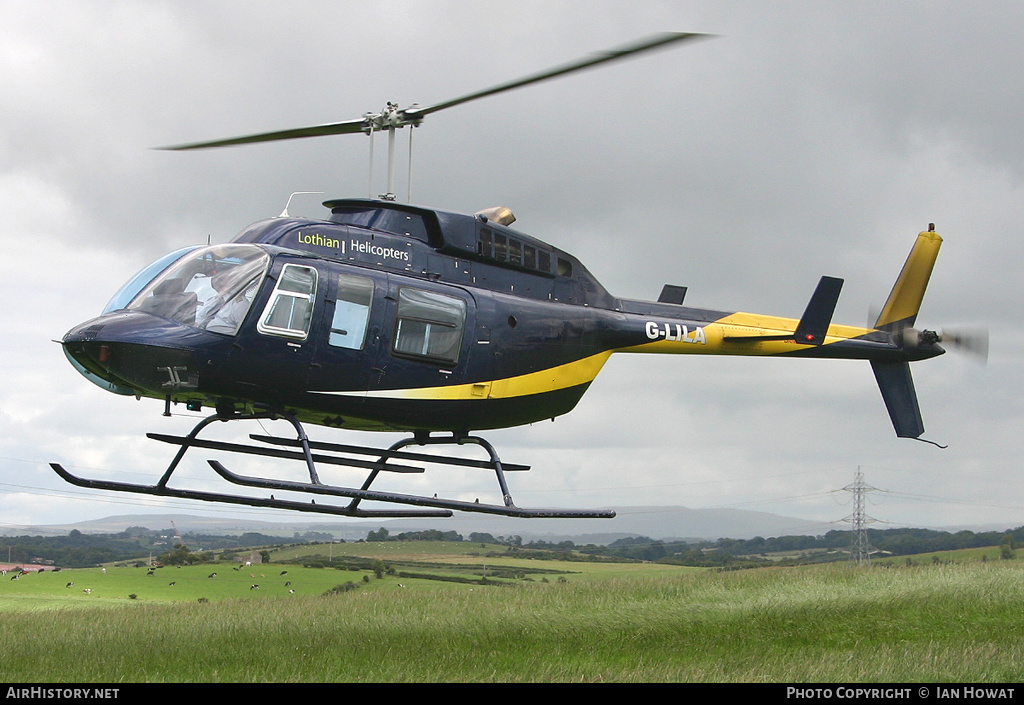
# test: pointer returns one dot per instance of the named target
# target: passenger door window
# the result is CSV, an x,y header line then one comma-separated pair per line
x,y
430,325
351,312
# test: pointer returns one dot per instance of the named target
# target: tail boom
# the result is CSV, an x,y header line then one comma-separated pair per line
x,y
889,346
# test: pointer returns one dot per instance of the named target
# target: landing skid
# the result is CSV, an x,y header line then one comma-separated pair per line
x,y
393,459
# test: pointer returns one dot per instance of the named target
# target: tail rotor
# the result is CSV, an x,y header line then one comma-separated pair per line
x,y
970,340
897,318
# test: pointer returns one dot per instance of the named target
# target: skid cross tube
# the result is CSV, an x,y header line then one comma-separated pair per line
x,y
422,439
388,454
433,506
364,492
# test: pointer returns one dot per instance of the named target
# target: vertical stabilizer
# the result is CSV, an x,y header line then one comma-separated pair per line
x,y
900,310
897,387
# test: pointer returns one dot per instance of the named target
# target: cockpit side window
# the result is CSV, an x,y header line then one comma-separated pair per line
x,y
290,309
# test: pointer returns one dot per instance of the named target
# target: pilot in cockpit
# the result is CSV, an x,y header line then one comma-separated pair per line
x,y
224,312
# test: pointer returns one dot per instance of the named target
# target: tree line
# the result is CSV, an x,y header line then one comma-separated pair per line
x,y
78,550
830,546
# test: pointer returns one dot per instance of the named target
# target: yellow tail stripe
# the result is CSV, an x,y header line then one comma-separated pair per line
x,y
905,299
725,337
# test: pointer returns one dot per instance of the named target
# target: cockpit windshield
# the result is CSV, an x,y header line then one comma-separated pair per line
x,y
210,288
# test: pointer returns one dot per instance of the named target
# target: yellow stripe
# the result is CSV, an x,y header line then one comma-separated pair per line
x,y
571,374
744,325
756,324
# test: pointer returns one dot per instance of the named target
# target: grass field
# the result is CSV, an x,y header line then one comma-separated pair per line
x,y
593,622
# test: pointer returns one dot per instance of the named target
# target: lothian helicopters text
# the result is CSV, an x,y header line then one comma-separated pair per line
x,y
353,246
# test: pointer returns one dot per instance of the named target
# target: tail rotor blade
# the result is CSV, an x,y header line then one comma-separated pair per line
x,y
973,341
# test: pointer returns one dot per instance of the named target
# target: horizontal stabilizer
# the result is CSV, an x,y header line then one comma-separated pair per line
x,y
818,315
897,387
813,325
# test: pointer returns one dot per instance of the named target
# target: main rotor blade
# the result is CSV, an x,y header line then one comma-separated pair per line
x,y
333,128
414,114
647,44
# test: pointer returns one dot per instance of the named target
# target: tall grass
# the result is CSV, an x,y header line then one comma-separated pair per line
x,y
817,624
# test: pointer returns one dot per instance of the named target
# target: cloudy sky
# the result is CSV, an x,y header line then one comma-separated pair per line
x,y
805,139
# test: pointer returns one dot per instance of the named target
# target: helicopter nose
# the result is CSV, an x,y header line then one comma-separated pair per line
x,y
129,352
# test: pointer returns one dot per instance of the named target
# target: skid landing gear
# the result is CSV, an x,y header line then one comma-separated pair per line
x,y
393,459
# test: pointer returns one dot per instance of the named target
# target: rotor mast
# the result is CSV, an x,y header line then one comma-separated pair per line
x,y
391,118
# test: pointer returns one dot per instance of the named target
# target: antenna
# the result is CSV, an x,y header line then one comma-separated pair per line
x,y
284,213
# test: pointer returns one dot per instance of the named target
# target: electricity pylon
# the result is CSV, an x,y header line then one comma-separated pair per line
x,y
860,549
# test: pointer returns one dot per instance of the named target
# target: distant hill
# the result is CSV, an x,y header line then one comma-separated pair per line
x,y
663,523
654,522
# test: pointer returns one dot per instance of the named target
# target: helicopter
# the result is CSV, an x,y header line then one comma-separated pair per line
x,y
393,317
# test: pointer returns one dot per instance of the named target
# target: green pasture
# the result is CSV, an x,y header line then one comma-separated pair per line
x,y
399,564
950,622
82,587
960,555
464,557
